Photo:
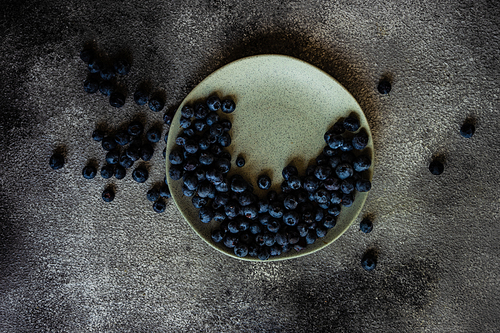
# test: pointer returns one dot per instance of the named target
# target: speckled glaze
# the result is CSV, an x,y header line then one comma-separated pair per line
x,y
283,108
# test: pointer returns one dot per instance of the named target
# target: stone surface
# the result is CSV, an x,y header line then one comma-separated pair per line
x,y
72,263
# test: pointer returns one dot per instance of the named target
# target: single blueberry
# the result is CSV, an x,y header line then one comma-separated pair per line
x,y
255,228
322,172
294,182
213,103
191,146
187,111
201,111
263,253
230,241
351,123
206,189
141,97
87,54
289,171
98,135
275,250
329,221
153,135
215,176
436,167
140,175
362,163
322,196
334,210
187,192
117,99
311,184
122,138
120,172
276,210
233,226
89,172
362,185
302,229
369,261
347,145
347,200
106,87
241,250
107,73
311,237
135,128
95,65
224,186
336,197
159,205
206,158
133,152
122,66
91,85
366,225
56,161
228,106
153,194
175,172
282,237
264,182
291,218
344,170
384,86
240,161
107,171
334,141
360,140
290,202
226,125
269,238
191,163
334,161
108,195
219,215
167,118
238,184
347,186
200,125
176,157
165,191
185,122
113,156
156,103
467,130
213,118
225,140
217,235
332,184
206,214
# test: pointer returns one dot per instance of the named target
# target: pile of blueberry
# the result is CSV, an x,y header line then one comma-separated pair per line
x,y
304,210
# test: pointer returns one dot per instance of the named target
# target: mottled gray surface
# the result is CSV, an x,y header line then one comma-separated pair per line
x,y
72,263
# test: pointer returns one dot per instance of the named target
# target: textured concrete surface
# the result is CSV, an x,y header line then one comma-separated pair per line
x,y
71,263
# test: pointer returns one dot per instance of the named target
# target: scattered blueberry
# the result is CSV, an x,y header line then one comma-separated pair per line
x,y
91,85
135,128
107,73
120,172
384,86
98,135
106,87
107,171
146,152
153,135
153,194
108,195
264,182
360,140
56,161
436,167
125,161
344,170
122,66
289,171
140,175
165,191
467,130
117,99
156,103
361,163
240,161
113,156
89,172
369,261
366,225
206,214
141,97
94,65
159,206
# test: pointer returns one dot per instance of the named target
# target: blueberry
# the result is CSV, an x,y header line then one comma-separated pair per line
x,y
300,245
165,191
362,185
285,187
327,151
336,197
243,224
223,187
240,161
282,237
276,210
200,111
347,186
264,218
213,103
226,125
126,161
311,237
98,135
113,156
216,149
191,163
167,118
206,214
351,123
228,106
272,195
347,200
122,138
294,183
187,192
302,229
120,172
175,172
106,87
360,140
140,175
191,146
89,172
206,158
269,238
290,202
156,103
107,73
334,161
175,157
135,128
275,250
221,199
108,195
91,85
334,210
181,140
206,189
291,218
230,241
289,171
302,196
153,135
436,167
322,172
191,181
332,184
467,130
200,125
362,163
122,66
311,184
187,111
107,171
347,145
366,225
212,118
217,235
322,196
293,237
225,140
264,182
214,176
153,194
233,226
185,122
263,253
329,221
241,250
204,144
369,261
322,159
344,170
255,228
384,86
56,161
334,141
117,99
159,205
94,65
141,97
232,209
212,138
86,54
133,152
238,184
